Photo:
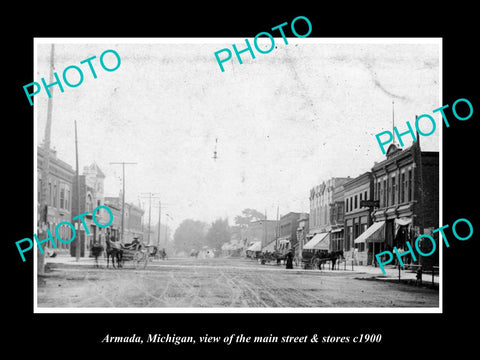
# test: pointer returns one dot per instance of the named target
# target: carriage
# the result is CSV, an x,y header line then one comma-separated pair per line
x,y
313,259
139,254
156,253
317,259
135,252
276,251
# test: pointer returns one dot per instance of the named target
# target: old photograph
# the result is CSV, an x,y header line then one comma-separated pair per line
x,y
171,179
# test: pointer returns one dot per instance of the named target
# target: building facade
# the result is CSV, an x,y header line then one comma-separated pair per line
x,y
288,232
263,231
302,233
325,213
358,218
91,185
337,213
406,184
133,222
114,230
59,197
132,226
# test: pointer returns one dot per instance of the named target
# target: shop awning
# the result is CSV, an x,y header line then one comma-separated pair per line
x,y
403,221
269,247
255,247
284,240
375,233
229,246
319,242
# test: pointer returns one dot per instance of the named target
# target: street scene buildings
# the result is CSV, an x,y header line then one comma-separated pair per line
x,y
336,203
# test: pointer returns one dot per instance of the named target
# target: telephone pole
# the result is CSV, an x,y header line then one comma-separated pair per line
x,y
77,185
46,169
159,221
123,163
160,205
166,227
150,196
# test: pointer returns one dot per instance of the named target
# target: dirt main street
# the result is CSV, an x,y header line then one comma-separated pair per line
x,y
224,283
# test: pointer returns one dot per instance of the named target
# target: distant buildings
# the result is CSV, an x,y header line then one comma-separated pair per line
x,y
132,221
288,232
302,232
262,231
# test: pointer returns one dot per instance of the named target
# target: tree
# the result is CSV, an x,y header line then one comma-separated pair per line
x,y
218,234
190,235
248,215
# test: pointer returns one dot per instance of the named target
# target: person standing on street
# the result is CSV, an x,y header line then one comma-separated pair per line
x,y
289,264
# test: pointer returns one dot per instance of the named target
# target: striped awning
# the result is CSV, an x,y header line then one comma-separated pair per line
x,y
318,242
255,246
269,247
375,233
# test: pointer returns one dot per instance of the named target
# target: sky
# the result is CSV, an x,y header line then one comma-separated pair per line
x,y
281,123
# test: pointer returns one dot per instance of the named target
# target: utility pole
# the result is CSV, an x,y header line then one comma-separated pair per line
x,y
77,184
393,121
166,227
160,205
150,196
159,221
123,195
265,229
46,169
277,231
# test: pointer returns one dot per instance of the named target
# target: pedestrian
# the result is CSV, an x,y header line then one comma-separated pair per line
x,y
289,260
419,276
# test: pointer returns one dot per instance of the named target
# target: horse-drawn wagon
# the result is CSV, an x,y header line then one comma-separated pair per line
x,y
135,252
317,259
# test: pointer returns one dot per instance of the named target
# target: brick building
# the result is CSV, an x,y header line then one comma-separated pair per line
x,y
321,221
337,214
406,184
288,232
358,218
132,226
263,231
302,232
91,196
59,197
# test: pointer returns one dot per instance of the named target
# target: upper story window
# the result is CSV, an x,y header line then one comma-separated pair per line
x,y
64,197
89,203
410,185
402,187
394,191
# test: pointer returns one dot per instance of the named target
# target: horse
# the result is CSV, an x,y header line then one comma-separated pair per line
x,y
334,256
194,253
114,250
97,250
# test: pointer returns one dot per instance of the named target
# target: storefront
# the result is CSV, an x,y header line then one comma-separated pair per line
x,y
336,238
320,242
254,249
369,243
